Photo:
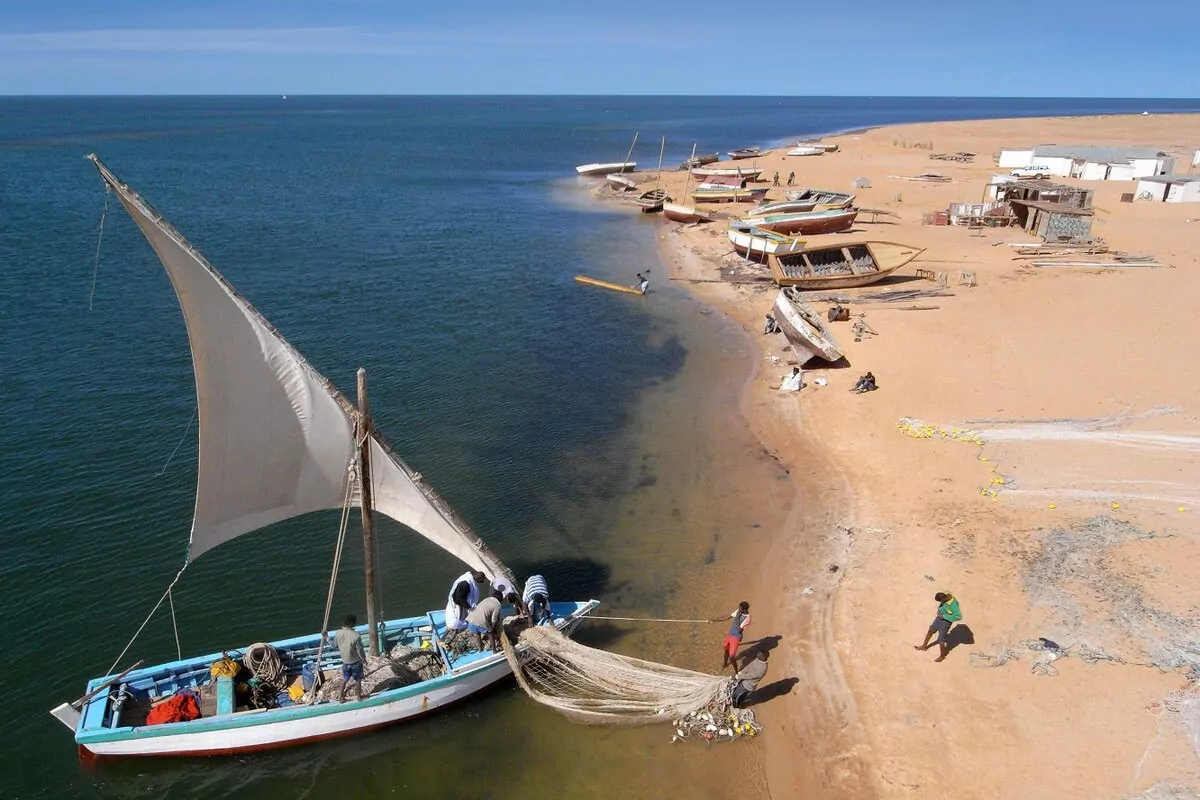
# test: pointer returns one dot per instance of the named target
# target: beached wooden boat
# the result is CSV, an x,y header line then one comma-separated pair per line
x,y
278,441
784,207
841,266
806,150
745,152
828,147
757,243
808,223
728,194
677,212
588,170
621,183
822,197
651,202
806,332
748,173
700,160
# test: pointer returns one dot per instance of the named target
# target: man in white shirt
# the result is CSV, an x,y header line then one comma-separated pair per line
x,y
464,594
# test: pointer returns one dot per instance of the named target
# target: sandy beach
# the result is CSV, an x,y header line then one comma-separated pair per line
x,y
1032,448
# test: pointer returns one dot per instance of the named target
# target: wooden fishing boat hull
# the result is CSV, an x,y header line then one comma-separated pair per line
x,y
248,731
806,332
822,197
828,148
727,172
606,169
621,183
811,223
681,213
757,244
651,202
784,207
840,266
700,161
806,151
730,195
746,152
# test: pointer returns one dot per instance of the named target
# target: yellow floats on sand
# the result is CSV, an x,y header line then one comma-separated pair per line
x,y
616,287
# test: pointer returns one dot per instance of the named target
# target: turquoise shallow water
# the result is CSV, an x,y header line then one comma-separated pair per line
x,y
432,241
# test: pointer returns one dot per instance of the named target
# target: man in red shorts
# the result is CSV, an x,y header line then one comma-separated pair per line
x,y
739,621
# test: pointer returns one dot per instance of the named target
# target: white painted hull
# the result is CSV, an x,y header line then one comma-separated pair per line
x,y
341,721
726,172
806,151
759,246
606,169
681,213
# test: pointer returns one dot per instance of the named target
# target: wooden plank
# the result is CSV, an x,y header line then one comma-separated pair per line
x,y
616,287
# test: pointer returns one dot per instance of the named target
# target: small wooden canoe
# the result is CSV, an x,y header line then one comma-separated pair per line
x,y
677,212
616,287
757,244
700,160
745,152
651,202
728,194
806,332
807,223
841,266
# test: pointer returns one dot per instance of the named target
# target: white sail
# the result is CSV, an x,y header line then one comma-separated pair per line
x,y
276,437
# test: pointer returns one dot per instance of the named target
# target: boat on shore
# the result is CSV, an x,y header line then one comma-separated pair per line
x,y
728,194
589,170
804,329
806,150
822,197
783,207
651,202
808,223
828,147
758,243
621,183
749,173
841,266
278,441
678,212
700,160
745,152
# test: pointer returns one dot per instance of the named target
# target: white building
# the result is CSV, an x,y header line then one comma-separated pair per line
x,y
1169,188
1090,163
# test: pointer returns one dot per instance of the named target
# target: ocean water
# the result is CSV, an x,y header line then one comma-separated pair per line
x,y
432,241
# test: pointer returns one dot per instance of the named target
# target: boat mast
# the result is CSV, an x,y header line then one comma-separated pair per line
x,y
627,155
661,150
690,165
362,435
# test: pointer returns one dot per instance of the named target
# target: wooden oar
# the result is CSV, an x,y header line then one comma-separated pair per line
x,y
616,287
83,700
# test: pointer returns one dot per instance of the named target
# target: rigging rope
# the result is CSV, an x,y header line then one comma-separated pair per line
x,y
174,625
163,471
351,477
650,619
99,239
142,627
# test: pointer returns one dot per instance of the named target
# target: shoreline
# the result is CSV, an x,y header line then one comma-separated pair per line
x,y
857,727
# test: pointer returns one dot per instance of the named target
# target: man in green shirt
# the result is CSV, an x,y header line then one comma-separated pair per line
x,y
947,614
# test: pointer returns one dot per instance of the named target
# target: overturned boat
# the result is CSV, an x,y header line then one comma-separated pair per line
x,y
806,332
840,266
277,441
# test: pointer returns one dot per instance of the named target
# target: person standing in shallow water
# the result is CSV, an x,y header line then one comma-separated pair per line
x,y
948,613
739,621
643,284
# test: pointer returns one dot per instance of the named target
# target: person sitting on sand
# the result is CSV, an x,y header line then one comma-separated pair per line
x,y
770,325
865,384
948,613
793,382
748,678
642,283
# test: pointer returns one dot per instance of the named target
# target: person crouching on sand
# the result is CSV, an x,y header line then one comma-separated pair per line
x,y
948,613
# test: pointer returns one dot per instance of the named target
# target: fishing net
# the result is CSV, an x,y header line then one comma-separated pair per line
x,y
402,666
601,688
1167,791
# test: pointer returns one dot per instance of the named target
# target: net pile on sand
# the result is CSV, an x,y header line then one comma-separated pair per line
x,y
601,688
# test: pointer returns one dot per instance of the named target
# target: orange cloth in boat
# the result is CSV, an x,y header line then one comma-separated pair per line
x,y
180,708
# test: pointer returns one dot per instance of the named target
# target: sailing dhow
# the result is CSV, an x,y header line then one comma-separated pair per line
x,y
277,440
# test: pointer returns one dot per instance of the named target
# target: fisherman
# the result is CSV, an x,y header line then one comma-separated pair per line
x,y
537,600
770,325
484,619
948,613
865,384
793,382
791,178
775,180
642,283
737,628
508,592
748,678
464,594
349,645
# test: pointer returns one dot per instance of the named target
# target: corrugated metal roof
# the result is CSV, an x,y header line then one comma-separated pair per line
x,y
1175,178
1103,155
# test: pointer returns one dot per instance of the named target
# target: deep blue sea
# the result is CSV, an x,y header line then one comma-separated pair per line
x,y
431,240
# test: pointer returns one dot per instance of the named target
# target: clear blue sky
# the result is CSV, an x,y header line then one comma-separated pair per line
x,y
1090,48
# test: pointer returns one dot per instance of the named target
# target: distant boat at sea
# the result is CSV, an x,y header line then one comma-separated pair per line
x,y
841,266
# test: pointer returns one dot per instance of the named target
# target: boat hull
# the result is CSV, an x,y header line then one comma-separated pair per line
x,y
727,172
805,331
738,155
681,213
621,183
250,731
810,224
840,266
606,169
730,195
806,151
759,247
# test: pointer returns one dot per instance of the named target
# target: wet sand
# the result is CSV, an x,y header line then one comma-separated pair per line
x,y
902,516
